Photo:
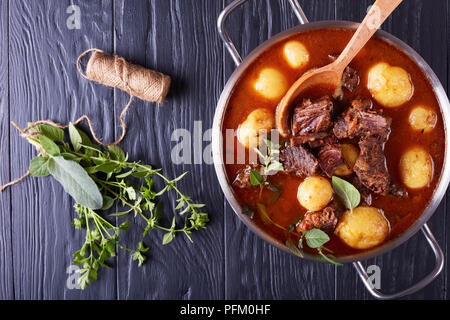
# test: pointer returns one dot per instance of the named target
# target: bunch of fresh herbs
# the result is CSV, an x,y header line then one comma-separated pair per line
x,y
98,180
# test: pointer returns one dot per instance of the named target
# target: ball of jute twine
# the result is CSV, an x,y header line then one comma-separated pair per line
x,y
113,71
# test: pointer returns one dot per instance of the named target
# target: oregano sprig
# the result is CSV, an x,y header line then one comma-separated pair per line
x,y
316,239
270,164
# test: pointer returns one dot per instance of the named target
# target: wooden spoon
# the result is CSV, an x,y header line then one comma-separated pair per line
x,y
331,75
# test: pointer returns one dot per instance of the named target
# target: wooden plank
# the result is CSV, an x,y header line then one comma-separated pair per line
x,y
415,22
255,269
46,85
178,38
6,265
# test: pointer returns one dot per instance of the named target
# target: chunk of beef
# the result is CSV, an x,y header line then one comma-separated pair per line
x,y
325,220
366,195
242,179
312,117
362,104
350,78
360,120
329,139
309,137
298,160
370,167
330,157
398,191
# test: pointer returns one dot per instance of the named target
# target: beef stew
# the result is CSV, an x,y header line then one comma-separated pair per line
x,y
364,116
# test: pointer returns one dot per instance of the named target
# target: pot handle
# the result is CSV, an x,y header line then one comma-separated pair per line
x,y
416,287
230,8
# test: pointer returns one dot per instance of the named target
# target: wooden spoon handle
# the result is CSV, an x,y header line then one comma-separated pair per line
x,y
377,14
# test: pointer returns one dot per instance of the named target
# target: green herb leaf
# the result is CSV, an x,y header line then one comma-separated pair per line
x,y
79,223
49,146
180,177
347,192
168,237
75,137
265,216
138,254
248,211
131,193
117,153
277,192
274,166
39,167
86,141
139,257
330,258
76,182
108,202
107,167
125,226
70,156
315,238
51,132
255,178
293,248
263,213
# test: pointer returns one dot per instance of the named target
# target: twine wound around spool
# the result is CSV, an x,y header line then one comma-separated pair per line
x,y
115,71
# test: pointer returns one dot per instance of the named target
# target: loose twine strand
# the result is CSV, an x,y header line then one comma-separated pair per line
x,y
146,84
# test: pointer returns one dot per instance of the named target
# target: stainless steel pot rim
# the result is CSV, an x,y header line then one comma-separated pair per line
x,y
221,108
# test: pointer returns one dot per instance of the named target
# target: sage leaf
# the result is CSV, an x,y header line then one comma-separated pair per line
x,y
292,248
347,192
75,137
54,133
39,167
315,238
49,146
76,182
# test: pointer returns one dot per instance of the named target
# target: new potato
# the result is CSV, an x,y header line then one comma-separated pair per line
x,y
296,54
422,118
271,83
390,86
364,228
314,193
416,168
257,125
350,153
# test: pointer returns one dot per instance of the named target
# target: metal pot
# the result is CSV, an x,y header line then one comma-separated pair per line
x,y
217,141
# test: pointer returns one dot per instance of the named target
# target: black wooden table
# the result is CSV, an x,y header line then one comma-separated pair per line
x,y
38,80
